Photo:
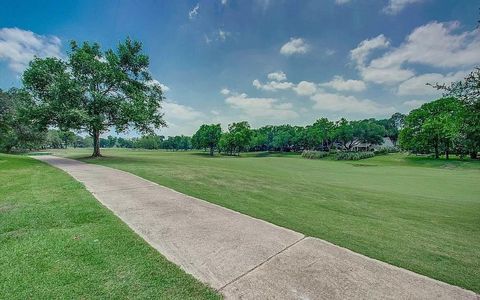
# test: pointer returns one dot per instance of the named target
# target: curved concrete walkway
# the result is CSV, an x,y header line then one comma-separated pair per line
x,y
244,257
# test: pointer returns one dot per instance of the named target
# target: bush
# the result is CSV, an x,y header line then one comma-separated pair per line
x,y
353,155
314,154
385,150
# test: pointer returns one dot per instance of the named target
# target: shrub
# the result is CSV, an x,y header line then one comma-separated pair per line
x,y
353,155
385,150
314,154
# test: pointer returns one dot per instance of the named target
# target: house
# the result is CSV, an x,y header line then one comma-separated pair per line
x,y
386,143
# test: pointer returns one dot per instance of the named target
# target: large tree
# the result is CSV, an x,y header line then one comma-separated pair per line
x,y
94,90
207,136
467,91
434,127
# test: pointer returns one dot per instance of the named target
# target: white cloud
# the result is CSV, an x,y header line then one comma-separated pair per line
x,y
194,12
294,46
278,76
340,84
365,47
261,107
222,35
218,35
305,88
348,104
18,47
418,85
175,111
272,85
434,45
224,91
162,86
224,2
341,2
395,6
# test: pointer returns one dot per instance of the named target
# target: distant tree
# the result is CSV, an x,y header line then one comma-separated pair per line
x,y
435,126
94,90
67,137
112,141
124,143
320,135
351,133
207,136
283,138
54,139
241,136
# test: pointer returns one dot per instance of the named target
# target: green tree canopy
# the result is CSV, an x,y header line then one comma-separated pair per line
x,y
207,136
434,127
94,90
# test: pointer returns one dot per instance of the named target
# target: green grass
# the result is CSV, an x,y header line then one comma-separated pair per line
x,y
417,213
58,242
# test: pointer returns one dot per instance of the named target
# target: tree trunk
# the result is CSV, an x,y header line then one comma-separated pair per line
x,y
446,153
437,155
211,151
473,154
96,144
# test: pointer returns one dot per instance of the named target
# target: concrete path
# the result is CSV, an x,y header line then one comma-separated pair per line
x,y
243,257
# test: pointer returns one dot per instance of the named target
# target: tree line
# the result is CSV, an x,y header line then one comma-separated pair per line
x,y
323,135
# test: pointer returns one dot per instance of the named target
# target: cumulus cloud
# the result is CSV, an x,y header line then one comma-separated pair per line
x,y
261,107
418,85
176,111
365,47
18,47
278,76
435,45
224,91
348,104
272,85
194,12
395,6
294,46
340,84
305,88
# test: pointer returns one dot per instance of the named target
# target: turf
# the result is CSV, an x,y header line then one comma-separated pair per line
x,y
417,213
58,242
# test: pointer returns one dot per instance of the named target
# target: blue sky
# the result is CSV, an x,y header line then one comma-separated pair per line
x,y
267,62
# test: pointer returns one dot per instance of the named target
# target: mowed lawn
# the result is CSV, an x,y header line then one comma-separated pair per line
x,y
416,213
58,242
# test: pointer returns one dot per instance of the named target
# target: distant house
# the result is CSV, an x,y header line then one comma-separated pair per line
x,y
386,143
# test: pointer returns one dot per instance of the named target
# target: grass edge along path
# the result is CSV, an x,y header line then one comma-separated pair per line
x,y
58,241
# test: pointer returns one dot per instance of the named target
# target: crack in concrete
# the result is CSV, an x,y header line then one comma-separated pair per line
x,y
261,264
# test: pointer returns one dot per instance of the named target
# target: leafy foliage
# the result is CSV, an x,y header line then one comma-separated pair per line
x,y
93,90
207,136
434,127
344,155
310,154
